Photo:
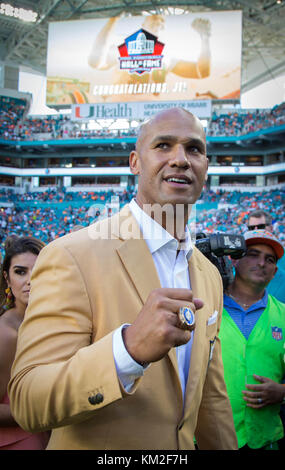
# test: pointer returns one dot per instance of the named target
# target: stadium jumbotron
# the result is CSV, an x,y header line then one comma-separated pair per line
x,y
109,66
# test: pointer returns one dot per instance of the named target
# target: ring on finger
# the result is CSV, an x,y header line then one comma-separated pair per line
x,y
259,400
187,318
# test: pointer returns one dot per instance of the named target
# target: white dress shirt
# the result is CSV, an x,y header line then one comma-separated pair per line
x,y
172,270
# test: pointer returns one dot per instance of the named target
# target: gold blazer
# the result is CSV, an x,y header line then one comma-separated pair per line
x,y
84,286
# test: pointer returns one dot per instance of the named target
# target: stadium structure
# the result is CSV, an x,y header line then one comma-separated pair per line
x,y
60,152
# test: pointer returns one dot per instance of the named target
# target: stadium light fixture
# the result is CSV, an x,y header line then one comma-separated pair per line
x,y
29,16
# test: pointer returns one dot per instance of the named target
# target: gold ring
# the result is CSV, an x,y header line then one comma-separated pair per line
x,y
187,318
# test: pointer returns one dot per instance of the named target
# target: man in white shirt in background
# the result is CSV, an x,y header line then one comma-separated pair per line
x,y
128,356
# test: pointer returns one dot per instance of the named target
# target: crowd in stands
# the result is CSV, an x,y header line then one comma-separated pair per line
x,y
236,123
54,127
55,195
48,222
229,123
234,206
31,127
57,213
11,113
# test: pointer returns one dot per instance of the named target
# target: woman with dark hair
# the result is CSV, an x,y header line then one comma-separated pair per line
x,y
20,256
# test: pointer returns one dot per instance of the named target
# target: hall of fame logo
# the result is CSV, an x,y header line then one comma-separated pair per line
x,y
141,52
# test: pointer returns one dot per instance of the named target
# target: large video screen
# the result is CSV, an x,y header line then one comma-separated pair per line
x,y
145,58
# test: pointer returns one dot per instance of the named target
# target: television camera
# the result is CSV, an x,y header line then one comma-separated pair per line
x,y
218,248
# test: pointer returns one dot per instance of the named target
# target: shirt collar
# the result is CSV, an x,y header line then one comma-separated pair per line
x,y
262,303
155,235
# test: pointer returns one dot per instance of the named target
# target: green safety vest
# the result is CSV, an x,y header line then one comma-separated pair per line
x,y
262,354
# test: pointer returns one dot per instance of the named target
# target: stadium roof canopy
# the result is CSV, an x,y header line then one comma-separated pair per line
x,y
25,43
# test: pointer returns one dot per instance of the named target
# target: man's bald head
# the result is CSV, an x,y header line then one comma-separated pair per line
x,y
147,126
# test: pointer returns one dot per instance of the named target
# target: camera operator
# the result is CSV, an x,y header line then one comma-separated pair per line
x,y
252,338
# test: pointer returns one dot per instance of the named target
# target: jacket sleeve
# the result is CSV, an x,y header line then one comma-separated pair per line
x,y
57,368
215,427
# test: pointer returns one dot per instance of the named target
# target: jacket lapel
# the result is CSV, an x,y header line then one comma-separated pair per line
x,y
198,345
138,262
135,255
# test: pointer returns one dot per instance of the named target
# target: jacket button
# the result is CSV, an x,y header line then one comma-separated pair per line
x,y
96,399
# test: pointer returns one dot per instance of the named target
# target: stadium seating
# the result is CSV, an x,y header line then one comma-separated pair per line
x,y
230,123
11,113
50,214
238,123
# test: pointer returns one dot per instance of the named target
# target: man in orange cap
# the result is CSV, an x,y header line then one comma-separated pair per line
x,y
253,339
260,219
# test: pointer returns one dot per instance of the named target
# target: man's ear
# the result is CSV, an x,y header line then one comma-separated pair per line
x,y
134,162
206,175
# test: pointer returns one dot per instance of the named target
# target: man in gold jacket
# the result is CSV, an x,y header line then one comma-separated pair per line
x,y
104,358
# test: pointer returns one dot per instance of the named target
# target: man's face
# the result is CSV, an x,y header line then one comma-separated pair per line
x,y
170,160
258,223
258,266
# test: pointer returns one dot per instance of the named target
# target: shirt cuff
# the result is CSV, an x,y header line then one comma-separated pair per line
x,y
128,369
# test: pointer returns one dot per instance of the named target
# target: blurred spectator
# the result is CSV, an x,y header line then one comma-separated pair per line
x,y
260,219
20,256
252,340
